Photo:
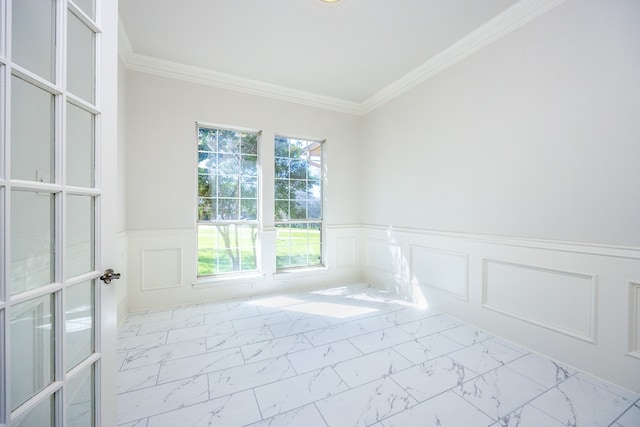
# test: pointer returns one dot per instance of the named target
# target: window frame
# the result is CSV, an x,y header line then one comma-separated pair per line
x,y
279,223
256,223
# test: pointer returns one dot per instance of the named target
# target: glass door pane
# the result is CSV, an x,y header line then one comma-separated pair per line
x,y
32,355
88,7
41,416
81,59
79,248
80,147
32,132
80,399
33,38
79,329
32,240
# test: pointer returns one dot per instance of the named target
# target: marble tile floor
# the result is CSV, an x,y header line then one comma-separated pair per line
x,y
347,356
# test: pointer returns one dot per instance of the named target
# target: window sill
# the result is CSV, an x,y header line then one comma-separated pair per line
x,y
210,281
301,271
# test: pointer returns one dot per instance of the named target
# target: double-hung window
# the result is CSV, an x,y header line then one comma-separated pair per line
x,y
298,202
227,200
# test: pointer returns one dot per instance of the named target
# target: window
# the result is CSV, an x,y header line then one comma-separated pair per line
x,y
227,201
298,202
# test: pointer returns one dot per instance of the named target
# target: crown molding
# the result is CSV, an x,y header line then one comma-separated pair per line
x,y
160,67
511,19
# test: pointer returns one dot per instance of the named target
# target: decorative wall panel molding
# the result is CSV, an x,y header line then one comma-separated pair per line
x,y
442,270
161,268
559,300
346,252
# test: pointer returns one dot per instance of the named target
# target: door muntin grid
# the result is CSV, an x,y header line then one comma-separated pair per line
x,y
49,200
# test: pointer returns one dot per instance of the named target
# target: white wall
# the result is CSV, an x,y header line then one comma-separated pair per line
x,y
536,135
530,143
161,186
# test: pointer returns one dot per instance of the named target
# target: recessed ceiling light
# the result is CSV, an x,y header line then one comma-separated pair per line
x,y
330,3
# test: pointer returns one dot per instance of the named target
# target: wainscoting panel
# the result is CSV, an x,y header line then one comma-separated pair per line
x,y
346,252
442,270
577,303
559,300
161,268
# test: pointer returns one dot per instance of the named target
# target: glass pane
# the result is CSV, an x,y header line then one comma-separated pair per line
x,y
81,59
41,415
31,146
32,354
33,36
31,240
79,310
80,147
80,398
88,7
79,254
226,248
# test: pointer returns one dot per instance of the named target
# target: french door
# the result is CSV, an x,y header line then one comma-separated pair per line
x,y
56,316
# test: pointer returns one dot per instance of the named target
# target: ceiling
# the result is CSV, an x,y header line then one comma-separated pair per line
x,y
346,53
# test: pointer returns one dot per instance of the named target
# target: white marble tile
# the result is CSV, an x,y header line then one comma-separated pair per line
x,y
247,376
486,355
427,348
364,369
326,355
631,418
307,416
285,395
144,403
138,423
540,369
141,342
260,321
163,353
378,340
431,378
337,332
445,410
527,416
579,402
239,312
235,410
168,325
275,347
187,311
466,335
128,329
149,316
278,301
298,326
430,325
237,339
365,405
120,358
137,378
192,366
417,313
629,395
196,332
499,392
